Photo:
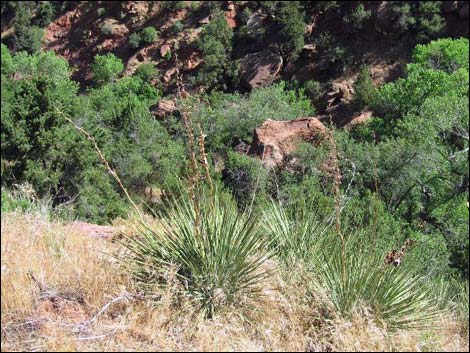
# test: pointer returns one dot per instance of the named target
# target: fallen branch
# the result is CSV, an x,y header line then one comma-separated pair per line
x,y
80,327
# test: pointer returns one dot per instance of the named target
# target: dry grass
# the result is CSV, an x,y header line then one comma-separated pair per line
x,y
54,281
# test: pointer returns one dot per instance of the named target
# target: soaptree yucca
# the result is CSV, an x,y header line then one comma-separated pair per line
x,y
355,278
295,231
218,252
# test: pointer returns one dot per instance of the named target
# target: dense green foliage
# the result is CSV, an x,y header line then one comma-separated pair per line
x,y
231,118
146,72
106,68
420,18
215,43
289,16
43,149
28,37
423,133
364,88
149,35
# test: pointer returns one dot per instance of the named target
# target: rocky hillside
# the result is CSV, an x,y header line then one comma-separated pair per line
x,y
249,175
336,39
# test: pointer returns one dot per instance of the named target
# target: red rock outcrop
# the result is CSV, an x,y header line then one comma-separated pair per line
x,y
361,118
274,140
164,108
260,69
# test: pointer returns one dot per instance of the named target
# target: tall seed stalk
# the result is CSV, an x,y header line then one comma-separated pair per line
x,y
195,177
103,159
336,174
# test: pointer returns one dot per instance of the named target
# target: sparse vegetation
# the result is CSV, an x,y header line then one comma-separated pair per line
x,y
357,17
364,89
147,72
107,29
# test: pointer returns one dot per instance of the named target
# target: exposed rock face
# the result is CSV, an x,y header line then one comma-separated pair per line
x,y
164,49
261,68
274,140
164,108
169,74
254,21
359,119
231,14
340,94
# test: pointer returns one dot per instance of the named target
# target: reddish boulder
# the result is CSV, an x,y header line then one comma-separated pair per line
x,y
230,15
361,118
261,68
274,140
165,107
164,49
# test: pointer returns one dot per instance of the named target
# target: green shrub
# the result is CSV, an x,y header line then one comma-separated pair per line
x,y
146,72
333,53
177,27
45,13
357,17
422,19
324,41
246,178
324,6
28,37
429,21
194,5
175,5
40,147
167,55
218,70
107,29
106,68
290,17
134,40
447,55
403,17
218,252
364,89
7,61
148,35
101,11
11,203
245,15
231,118
312,89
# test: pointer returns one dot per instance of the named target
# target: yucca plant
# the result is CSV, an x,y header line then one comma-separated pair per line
x,y
295,231
218,252
354,278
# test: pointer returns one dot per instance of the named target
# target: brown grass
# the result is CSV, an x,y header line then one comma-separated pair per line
x,y
54,281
